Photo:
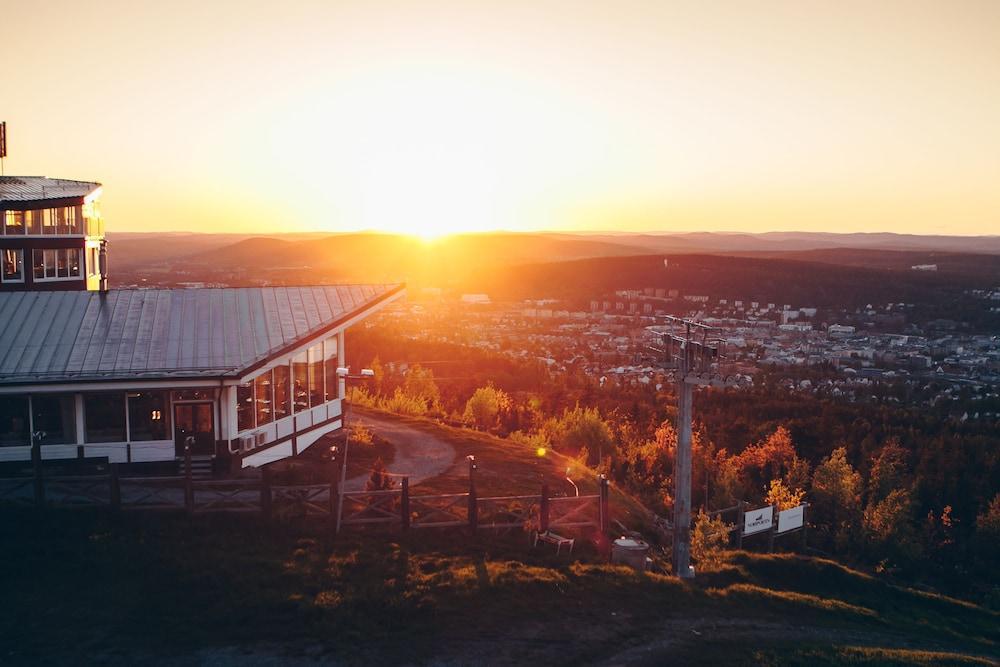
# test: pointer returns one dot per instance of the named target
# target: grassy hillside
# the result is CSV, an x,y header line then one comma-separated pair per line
x,y
90,587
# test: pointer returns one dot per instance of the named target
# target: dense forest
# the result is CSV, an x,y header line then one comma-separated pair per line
x,y
912,492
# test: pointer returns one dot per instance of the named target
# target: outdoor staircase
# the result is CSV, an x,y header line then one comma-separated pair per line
x,y
201,467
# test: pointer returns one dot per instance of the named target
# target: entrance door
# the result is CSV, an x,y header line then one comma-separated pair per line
x,y
194,420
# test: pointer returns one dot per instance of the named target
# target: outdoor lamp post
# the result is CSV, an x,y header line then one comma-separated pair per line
x,y
344,374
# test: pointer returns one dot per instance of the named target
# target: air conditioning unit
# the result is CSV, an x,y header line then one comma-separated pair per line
x,y
246,443
259,438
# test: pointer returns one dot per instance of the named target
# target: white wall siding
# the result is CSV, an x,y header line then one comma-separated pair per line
x,y
116,452
310,438
276,453
159,450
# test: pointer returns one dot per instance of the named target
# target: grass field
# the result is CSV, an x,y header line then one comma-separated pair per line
x,y
83,586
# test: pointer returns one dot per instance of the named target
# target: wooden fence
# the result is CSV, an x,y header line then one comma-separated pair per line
x,y
393,507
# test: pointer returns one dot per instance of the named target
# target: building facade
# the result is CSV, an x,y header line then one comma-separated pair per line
x,y
51,235
243,376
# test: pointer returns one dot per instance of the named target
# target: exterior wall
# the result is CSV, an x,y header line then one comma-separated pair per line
x,y
92,236
124,451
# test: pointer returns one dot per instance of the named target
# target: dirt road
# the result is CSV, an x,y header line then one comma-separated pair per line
x,y
417,454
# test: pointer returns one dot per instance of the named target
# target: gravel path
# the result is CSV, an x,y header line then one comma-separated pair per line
x,y
417,454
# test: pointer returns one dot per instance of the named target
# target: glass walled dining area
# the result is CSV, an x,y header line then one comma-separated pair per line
x,y
308,381
107,417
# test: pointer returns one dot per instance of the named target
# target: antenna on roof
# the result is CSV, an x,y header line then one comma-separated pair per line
x,y
3,144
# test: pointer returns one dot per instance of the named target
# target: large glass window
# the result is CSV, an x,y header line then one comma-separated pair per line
x,y
262,398
14,425
34,219
56,263
50,221
13,222
244,406
55,416
148,416
13,265
330,368
282,391
316,375
300,382
104,417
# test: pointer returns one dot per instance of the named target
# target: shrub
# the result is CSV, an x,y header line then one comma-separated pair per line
x,y
709,539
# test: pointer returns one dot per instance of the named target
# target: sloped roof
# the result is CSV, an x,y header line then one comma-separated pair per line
x,y
40,188
166,333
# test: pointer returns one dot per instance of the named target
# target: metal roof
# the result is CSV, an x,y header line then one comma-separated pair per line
x,y
166,333
40,188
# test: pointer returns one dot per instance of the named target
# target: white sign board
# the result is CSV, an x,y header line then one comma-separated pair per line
x,y
756,521
790,519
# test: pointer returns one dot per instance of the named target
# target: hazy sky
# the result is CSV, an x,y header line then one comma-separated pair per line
x,y
428,117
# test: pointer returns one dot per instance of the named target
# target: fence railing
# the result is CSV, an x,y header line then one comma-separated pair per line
x,y
389,507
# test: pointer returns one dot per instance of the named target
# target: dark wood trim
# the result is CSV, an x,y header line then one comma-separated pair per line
x,y
34,204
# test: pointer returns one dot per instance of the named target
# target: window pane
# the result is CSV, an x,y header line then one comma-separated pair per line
x,y
50,263
104,416
262,395
14,222
282,377
330,368
49,221
316,375
35,221
148,416
14,421
13,265
244,406
75,220
38,262
73,259
62,262
300,382
56,417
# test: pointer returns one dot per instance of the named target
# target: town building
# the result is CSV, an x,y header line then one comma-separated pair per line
x,y
51,235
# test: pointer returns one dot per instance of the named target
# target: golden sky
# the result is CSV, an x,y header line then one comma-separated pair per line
x,y
429,117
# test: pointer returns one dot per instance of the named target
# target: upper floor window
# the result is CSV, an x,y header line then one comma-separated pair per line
x,y
56,264
12,270
63,220
13,222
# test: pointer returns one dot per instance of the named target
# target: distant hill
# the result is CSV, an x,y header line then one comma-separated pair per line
x,y
775,279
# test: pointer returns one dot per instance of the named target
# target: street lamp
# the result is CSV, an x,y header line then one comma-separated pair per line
x,y
344,374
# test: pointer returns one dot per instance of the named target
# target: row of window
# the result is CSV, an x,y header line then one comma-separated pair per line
x,y
47,264
106,417
45,221
310,380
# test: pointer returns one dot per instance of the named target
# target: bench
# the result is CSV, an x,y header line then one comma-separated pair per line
x,y
551,538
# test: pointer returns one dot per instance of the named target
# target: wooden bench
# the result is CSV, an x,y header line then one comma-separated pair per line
x,y
551,538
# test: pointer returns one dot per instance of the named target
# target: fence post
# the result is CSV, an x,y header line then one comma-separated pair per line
x,y
805,525
116,488
543,510
36,465
404,504
473,498
265,492
740,522
334,491
605,505
188,488
774,528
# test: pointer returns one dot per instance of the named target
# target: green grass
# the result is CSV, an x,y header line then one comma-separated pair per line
x,y
93,587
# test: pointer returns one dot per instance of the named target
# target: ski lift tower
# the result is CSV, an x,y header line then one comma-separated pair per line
x,y
693,349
